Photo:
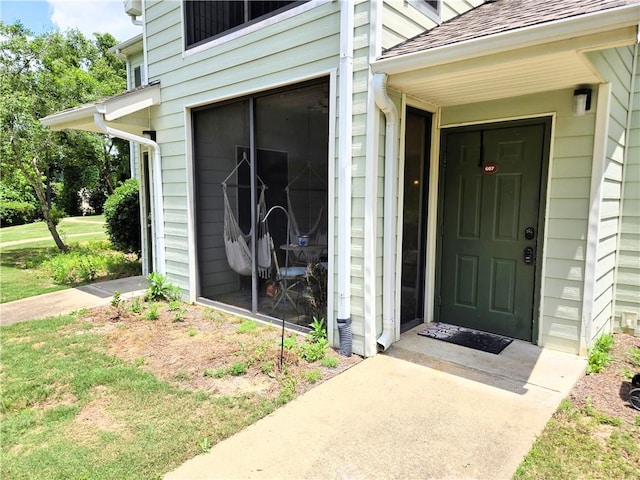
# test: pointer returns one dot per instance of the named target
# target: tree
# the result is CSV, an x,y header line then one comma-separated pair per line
x,y
43,74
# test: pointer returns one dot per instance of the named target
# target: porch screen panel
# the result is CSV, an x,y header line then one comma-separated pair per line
x,y
217,133
292,132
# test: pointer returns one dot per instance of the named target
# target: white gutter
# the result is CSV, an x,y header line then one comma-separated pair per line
x,y
371,290
344,160
98,119
132,153
596,22
390,206
145,57
135,20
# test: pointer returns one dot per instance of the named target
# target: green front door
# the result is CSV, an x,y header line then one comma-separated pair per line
x,y
489,248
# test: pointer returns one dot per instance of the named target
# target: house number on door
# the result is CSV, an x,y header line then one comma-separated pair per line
x,y
489,168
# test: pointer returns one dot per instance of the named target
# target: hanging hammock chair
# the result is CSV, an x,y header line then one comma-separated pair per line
x,y
295,230
237,243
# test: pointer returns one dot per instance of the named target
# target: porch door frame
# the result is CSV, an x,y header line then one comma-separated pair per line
x,y
426,201
548,121
429,263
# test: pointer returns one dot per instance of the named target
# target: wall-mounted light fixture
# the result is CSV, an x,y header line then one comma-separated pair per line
x,y
150,133
581,101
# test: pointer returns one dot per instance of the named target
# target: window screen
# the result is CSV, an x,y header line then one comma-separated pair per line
x,y
206,19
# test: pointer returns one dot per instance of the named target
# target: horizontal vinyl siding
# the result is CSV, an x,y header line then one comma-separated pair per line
x,y
401,21
359,141
453,8
303,45
615,66
628,273
568,192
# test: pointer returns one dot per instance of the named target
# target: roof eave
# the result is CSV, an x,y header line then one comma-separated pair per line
x,y
592,23
114,108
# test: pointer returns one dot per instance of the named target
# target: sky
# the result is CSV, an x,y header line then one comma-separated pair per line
x,y
88,16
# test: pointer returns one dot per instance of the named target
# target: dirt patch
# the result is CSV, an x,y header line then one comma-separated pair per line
x,y
94,415
608,391
198,348
94,420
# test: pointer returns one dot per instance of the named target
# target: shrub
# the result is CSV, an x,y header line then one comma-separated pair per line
x,y
16,213
122,215
599,354
160,289
86,263
97,198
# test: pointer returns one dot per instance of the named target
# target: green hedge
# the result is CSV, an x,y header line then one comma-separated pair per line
x,y
122,215
16,213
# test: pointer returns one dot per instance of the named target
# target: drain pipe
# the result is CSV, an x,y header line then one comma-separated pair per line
x,y
345,126
98,120
390,111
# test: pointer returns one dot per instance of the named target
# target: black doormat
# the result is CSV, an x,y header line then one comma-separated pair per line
x,y
486,342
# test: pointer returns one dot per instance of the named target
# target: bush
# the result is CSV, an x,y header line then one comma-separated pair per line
x,y
97,198
599,354
160,289
122,215
16,213
87,263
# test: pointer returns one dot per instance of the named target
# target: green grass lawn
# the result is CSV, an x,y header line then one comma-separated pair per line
x,y
54,369
32,268
67,226
70,409
582,444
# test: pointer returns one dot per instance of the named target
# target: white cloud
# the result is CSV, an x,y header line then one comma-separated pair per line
x,y
90,16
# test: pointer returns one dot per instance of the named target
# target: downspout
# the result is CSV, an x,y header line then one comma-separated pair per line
x,y
344,162
98,120
390,204
132,162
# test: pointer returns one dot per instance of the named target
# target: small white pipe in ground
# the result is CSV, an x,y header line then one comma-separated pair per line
x,y
98,120
390,180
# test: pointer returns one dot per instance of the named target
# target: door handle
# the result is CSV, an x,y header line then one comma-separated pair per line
x,y
529,233
527,255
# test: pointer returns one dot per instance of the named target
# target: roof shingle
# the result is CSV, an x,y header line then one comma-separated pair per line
x,y
501,16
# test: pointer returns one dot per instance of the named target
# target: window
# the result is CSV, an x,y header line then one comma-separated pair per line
x,y
205,20
137,77
431,8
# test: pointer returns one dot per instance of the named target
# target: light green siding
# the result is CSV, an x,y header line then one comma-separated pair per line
x,y
301,46
568,194
361,54
615,66
627,285
401,21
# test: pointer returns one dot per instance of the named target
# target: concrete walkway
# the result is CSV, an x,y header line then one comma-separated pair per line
x,y
66,301
426,409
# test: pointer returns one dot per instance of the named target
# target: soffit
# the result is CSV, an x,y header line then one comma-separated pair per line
x,y
127,111
542,68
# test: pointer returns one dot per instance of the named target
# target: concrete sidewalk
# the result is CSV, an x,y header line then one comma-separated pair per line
x,y
66,301
426,409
